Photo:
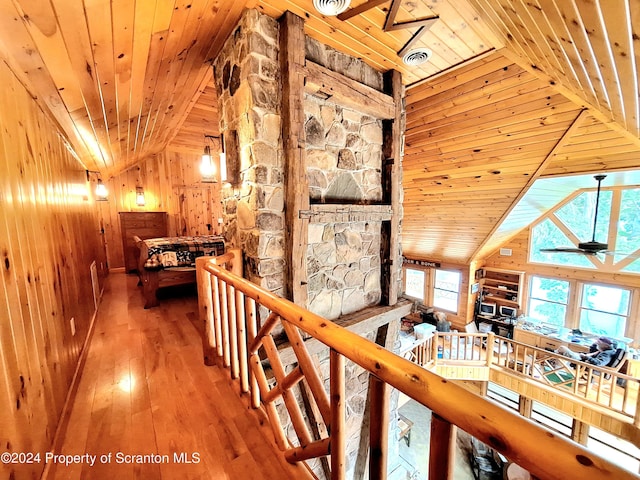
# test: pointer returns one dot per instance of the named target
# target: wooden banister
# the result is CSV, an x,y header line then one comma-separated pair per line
x,y
518,438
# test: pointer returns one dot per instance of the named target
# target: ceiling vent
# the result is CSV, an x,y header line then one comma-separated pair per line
x,y
331,8
417,56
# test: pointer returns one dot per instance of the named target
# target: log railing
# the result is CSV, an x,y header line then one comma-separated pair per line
x,y
235,336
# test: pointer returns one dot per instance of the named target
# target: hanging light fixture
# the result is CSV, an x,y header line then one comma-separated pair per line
x,y
331,8
101,192
140,196
207,167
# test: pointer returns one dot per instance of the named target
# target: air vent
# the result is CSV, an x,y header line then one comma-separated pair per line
x,y
417,56
331,8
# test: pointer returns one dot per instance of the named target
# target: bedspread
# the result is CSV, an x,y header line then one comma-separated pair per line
x,y
179,251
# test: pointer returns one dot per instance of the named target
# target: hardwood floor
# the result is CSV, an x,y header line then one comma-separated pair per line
x,y
144,390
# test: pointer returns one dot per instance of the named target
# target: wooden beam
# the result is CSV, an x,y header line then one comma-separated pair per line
x,y
346,92
392,150
296,185
352,12
326,213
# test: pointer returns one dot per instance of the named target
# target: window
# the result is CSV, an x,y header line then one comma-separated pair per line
x,y
434,287
548,299
446,290
572,223
604,310
414,283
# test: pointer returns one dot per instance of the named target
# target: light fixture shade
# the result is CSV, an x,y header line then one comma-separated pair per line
x,y
331,8
207,167
139,196
101,192
417,56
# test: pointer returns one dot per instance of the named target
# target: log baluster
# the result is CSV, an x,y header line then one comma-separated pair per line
x,y
338,409
379,428
442,448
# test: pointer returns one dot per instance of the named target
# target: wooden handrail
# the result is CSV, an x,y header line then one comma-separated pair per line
x,y
518,438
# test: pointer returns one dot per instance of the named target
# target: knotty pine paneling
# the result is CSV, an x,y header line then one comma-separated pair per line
x,y
171,183
49,237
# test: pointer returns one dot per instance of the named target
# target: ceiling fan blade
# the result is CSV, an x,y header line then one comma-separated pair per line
x,y
563,250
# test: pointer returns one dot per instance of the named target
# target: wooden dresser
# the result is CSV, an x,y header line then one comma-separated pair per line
x,y
144,225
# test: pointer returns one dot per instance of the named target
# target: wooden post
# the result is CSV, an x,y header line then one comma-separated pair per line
x,y
296,186
525,406
205,308
379,428
338,409
252,332
442,448
393,139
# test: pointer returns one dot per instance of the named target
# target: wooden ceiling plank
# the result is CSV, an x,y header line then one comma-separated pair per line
x,y
531,180
618,23
561,15
185,66
477,101
469,72
482,87
142,35
496,114
74,29
543,35
527,127
101,39
175,50
602,63
515,15
163,94
124,29
496,23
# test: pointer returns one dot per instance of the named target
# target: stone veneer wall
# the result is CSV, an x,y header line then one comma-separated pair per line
x,y
343,161
344,165
248,84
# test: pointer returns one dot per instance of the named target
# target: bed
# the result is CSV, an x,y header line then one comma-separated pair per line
x,y
170,261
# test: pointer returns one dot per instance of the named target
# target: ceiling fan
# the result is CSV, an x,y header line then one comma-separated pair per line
x,y
586,248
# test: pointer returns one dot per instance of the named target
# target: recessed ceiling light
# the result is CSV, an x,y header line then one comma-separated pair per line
x,y
417,56
331,8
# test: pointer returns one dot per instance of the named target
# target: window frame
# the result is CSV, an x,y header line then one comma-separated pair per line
x,y
567,315
580,287
429,285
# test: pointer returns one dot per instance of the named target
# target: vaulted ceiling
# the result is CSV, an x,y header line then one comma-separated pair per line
x,y
514,90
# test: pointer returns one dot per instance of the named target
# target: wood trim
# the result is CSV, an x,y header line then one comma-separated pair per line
x,y
349,93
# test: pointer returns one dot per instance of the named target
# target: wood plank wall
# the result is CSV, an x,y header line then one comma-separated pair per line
x,y
171,183
48,240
